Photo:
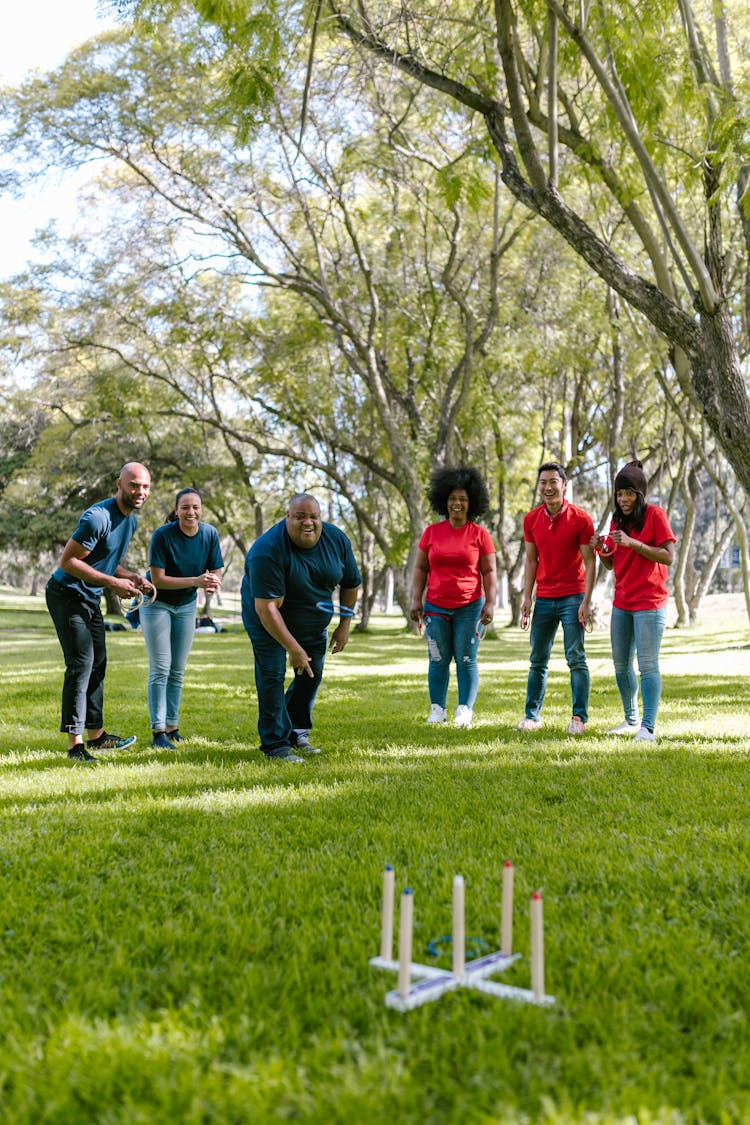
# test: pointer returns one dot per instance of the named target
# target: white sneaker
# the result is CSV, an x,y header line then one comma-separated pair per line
x,y
437,714
576,726
645,735
529,724
463,716
625,728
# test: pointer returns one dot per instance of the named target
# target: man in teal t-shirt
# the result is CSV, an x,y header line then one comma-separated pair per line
x,y
90,561
291,573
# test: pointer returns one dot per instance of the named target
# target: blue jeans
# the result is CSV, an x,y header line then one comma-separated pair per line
x,y
80,630
168,631
638,631
548,614
282,712
452,633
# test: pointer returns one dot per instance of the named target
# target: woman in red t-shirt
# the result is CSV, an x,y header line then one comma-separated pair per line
x,y
643,549
456,563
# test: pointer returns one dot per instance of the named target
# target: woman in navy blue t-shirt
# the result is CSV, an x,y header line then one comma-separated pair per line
x,y
185,556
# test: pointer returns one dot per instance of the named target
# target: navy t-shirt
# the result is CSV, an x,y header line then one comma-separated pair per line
x,y
305,577
184,556
105,533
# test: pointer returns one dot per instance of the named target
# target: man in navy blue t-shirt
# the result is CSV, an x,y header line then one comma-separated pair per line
x,y
291,573
90,561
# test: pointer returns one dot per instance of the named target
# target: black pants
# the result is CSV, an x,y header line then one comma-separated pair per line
x,y
80,630
280,712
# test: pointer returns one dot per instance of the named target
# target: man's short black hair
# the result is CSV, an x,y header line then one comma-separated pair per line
x,y
552,467
446,480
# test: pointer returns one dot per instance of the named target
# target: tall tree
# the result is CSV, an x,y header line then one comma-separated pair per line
x,y
366,283
645,102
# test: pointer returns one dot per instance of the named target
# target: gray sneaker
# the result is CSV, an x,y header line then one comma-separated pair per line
x,y
304,744
284,754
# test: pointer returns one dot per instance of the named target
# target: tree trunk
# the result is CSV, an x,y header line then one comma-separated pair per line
x,y
402,583
367,566
706,576
684,552
741,530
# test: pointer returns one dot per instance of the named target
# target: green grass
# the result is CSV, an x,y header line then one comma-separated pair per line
x,y
184,937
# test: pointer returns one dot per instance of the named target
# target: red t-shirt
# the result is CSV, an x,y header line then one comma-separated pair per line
x,y
558,539
453,553
639,583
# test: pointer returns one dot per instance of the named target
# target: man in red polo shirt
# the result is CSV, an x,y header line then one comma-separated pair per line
x,y
561,563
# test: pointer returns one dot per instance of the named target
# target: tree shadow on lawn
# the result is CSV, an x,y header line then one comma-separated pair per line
x,y
206,782
696,712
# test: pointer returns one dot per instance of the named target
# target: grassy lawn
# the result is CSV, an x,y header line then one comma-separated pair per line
x,y
184,937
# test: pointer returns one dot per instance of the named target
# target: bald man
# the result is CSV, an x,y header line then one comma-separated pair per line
x,y
90,561
291,573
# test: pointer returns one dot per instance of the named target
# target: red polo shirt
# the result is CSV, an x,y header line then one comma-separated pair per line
x,y
558,539
639,583
453,553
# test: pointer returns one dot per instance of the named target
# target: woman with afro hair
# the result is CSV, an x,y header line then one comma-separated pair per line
x,y
456,566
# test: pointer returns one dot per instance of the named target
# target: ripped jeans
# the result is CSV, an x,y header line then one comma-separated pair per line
x,y
453,633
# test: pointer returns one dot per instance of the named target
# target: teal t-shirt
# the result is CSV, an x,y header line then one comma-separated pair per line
x,y
105,533
184,556
305,577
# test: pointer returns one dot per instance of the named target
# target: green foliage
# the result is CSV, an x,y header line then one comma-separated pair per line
x,y
185,936
320,307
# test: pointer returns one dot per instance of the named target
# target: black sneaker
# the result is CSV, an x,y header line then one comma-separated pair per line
x,y
107,741
304,744
79,753
162,741
284,754
174,736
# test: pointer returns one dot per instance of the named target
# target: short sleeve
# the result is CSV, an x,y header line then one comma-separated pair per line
x,y
486,546
93,526
267,576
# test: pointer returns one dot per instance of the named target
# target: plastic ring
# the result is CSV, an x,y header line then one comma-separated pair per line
x,y
607,546
476,945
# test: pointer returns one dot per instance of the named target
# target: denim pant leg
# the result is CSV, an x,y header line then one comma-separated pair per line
x,y
575,654
168,631
438,627
543,629
622,636
156,623
649,629
269,659
182,636
80,630
302,691
466,649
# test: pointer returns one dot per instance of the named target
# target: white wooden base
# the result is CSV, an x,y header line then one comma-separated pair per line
x,y
429,983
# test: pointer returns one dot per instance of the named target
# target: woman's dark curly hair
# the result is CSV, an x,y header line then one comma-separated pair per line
x,y
447,480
